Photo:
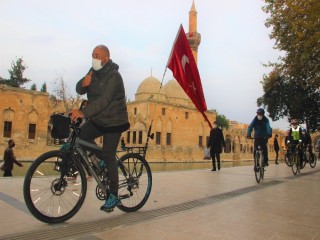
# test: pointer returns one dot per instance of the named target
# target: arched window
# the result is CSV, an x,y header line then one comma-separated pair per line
x,y
8,117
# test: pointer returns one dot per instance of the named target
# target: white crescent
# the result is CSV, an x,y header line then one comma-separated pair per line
x,y
184,60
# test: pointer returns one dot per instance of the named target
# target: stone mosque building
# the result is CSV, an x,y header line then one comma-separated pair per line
x,y
180,131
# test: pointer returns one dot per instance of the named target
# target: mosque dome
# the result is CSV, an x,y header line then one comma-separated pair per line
x,y
174,90
149,87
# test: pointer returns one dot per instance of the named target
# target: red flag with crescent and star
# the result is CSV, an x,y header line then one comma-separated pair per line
x,y
184,68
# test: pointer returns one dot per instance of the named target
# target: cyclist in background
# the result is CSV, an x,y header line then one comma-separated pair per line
x,y
262,132
307,141
296,135
318,142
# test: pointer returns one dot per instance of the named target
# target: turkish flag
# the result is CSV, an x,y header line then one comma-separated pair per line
x,y
184,68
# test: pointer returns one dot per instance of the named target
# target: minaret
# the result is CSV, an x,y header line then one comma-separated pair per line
x,y
193,36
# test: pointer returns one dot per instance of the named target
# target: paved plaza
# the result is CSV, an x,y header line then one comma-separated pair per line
x,y
197,204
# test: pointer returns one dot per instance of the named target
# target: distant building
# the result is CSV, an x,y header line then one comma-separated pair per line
x,y
180,131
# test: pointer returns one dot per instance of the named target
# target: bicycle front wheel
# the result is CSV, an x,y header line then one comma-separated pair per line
x,y
54,188
295,164
261,166
135,182
312,160
304,162
257,167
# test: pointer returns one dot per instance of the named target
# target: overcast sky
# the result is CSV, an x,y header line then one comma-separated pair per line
x,y
56,38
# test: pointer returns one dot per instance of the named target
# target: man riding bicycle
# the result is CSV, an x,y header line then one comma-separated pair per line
x,y
106,113
295,135
262,132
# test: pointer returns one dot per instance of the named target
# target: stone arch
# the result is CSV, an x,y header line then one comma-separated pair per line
x,y
159,125
33,116
159,131
169,133
131,119
8,118
169,126
236,144
228,143
202,135
140,132
201,130
139,126
8,115
243,144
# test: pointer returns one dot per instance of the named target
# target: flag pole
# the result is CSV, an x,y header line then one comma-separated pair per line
x,y
164,73
206,118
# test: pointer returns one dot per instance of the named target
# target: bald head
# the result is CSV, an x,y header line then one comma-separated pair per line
x,y
104,49
102,53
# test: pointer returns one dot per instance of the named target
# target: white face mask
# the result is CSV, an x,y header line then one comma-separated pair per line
x,y
259,117
96,64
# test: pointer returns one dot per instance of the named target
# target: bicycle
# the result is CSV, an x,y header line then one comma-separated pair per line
x,y
55,185
295,157
258,162
309,157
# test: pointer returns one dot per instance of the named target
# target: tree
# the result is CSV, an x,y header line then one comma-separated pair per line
x,y
289,98
16,78
33,87
295,27
291,89
222,121
44,87
62,94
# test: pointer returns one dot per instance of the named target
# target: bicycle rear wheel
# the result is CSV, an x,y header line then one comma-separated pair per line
x,y
54,188
313,160
295,164
135,182
257,167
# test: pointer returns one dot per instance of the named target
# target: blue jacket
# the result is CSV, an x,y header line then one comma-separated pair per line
x,y
261,128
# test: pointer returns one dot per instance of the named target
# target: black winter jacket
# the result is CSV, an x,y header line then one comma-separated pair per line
x,y
106,97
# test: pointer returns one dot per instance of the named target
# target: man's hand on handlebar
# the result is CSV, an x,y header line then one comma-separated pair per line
x,y
75,114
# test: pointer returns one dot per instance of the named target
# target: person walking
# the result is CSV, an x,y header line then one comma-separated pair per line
x,y
215,143
9,159
276,147
106,114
